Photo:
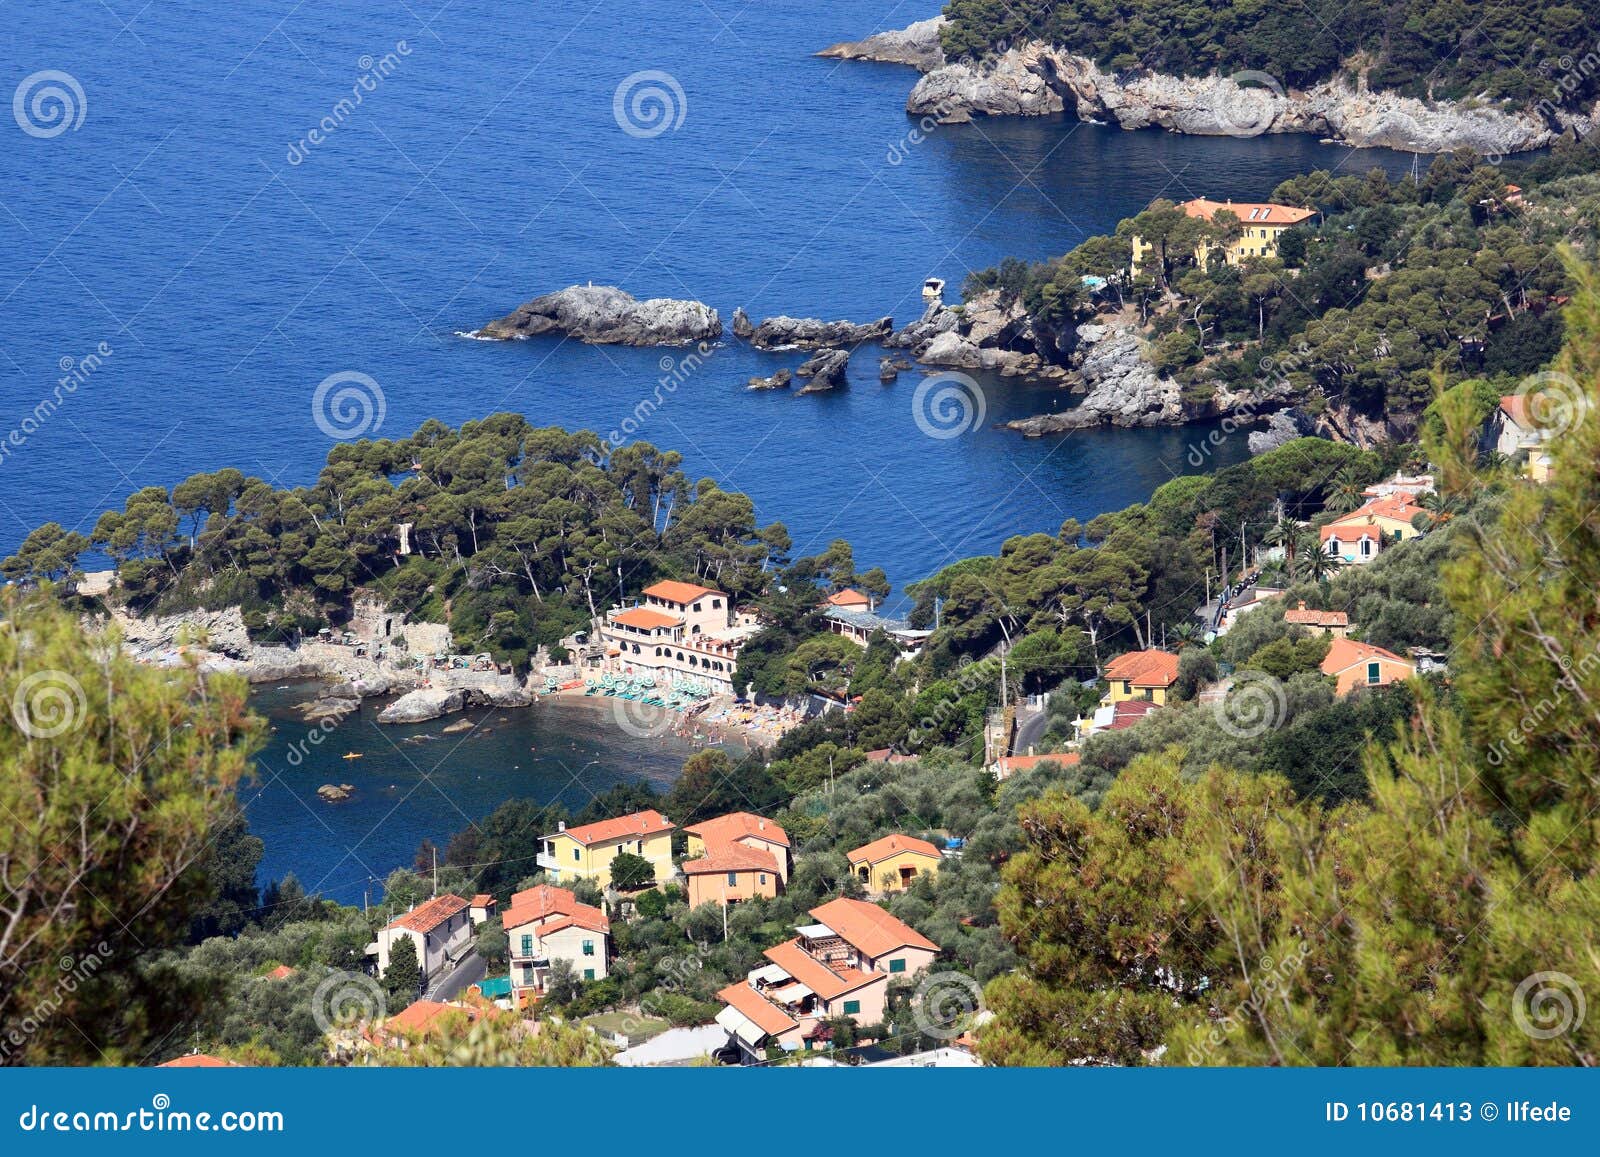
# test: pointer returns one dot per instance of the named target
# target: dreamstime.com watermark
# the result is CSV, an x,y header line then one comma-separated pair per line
x,y
373,73
948,405
75,372
946,1004
159,1117
75,972
675,371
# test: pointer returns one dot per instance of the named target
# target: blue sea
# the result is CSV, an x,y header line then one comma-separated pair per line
x,y
216,207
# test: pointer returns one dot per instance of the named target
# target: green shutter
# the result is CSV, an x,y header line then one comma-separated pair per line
x,y
897,965
588,974
851,1007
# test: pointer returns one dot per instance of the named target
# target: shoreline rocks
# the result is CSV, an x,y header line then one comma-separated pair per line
x,y
778,381
825,371
1124,389
916,45
606,315
779,333
1036,79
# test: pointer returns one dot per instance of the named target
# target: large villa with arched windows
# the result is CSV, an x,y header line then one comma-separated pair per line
x,y
677,630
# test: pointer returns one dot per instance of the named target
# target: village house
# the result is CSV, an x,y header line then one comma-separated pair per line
x,y
545,924
857,624
740,828
1122,714
1356,538
850,600
839,966
1147,675
1008,765
1518,435
1252,598
586,852
1415,485
480,908
892,863
1262,224
441,929
422,1018
677,631
1354,665
1336,623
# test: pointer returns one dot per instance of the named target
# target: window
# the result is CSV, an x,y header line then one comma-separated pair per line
x,y
763,877
1374,672
527,944
575,855
588,974
1366,547
897,965
733,878
852,1007
588,947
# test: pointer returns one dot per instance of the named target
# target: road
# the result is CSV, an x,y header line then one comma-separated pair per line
x,y
470,970
1030,730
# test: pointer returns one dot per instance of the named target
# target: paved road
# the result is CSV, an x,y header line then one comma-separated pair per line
x,y
453,983
1030,730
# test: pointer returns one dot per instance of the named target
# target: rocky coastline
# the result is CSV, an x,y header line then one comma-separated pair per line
x,y
1035,78
606,315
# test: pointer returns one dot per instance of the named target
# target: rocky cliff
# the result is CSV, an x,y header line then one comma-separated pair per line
x,y
1036,79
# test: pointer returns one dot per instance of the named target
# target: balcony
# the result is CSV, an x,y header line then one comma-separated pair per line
x,y
547,861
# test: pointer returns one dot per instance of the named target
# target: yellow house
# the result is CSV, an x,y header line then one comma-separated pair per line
x,y
1147,675
892,863
1355,538
585,853
1262,224
1354,665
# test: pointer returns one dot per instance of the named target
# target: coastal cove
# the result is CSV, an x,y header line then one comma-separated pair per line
x,y
792,186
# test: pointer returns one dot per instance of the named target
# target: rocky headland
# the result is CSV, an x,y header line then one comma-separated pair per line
x,y
1035,78
606,315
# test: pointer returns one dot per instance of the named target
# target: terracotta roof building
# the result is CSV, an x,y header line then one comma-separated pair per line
x,y
892,863
440,929
1008,765
544,924
1324,622
1141,675
1353,665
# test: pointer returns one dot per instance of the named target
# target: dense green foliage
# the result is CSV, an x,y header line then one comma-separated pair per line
x,y
1417,47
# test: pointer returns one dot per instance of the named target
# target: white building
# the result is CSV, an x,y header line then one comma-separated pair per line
x,y
677,631
441,929
546,924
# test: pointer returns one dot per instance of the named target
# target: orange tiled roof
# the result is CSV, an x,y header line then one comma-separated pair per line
x,y
422,1016
826,982
282,972
545,902
1128,712
848,598
1346,653
1144,668
768,1017
427,917
731,858
1399,507
1010,764
482,900
1315,618
1516,407
645,619
736,826
869,928
676,592
891,845
198,1061
1249,212
645,823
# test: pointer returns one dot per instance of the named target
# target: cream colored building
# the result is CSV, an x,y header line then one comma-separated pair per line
x,y
1263,223
676,631
546,924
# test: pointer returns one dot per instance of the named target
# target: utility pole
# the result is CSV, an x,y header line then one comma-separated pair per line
x,y
436,872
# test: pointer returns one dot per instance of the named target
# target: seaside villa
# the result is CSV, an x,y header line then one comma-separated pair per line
x,y
1356,538
676,631
1263,223
735,857
1146,675
586,852
839,966
1519,436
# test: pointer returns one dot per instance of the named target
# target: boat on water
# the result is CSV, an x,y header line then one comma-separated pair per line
x,y
352,755
933,289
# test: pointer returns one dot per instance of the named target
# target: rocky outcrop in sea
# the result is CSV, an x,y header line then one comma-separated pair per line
x,y
1123,388
1036,79
778,381
986,333
917,45
778,333
824,371
605,315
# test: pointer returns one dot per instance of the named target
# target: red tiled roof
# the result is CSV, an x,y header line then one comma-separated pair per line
x,y
282,972
482,900
848,598
427,917
1125,714
645,823
1249,212
676,592
869,928
1315,618
1400,507
1144,668
1516,407
1346,653
731,858
818,977
423,1016
1010,764
198,1061
768,1017
544,902
736,826
890,755
646,619
891,845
